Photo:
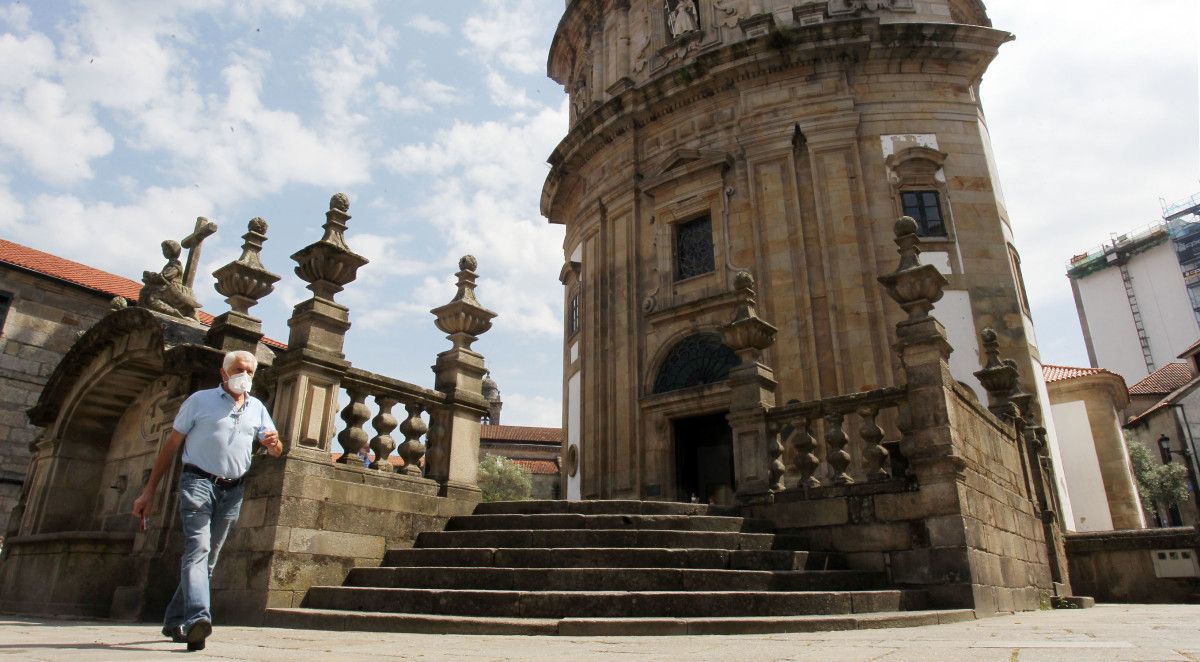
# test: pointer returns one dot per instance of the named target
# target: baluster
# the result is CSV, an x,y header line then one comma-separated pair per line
x,y
382,443
354,438
775,456
835,444
805,445
435,448
879,466
412,449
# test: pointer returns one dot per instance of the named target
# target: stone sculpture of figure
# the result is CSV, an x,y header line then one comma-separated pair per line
x,y
164,291
682,19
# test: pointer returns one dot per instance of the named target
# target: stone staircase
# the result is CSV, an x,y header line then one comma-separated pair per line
x,y
608,568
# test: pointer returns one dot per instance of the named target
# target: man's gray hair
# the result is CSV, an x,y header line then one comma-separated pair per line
x,y
238,355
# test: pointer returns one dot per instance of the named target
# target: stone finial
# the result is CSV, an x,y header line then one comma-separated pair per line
x,y
747,334
118,303
915,286
463,319
245,281
998,377
329,265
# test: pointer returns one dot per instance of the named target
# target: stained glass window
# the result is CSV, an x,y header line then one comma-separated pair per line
x,y
698,359
925,207
694,248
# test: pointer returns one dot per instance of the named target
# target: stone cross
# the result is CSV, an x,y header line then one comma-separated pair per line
x,y
203,230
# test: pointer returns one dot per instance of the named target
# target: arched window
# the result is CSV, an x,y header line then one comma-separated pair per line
x,y
697,359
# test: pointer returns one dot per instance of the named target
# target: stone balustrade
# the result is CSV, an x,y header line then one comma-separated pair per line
x,y
397,404
849,429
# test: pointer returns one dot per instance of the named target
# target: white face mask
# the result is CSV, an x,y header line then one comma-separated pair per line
x,y
240,383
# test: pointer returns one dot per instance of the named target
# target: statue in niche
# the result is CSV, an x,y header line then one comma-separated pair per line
x,y
683,18
164,291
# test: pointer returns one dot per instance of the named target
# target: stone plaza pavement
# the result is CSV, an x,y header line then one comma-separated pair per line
x,y
1107,632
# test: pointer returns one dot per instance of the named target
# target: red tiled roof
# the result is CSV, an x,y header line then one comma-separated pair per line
x,y
538,467
1058,373
1193,349
1164,380
521,433
84,276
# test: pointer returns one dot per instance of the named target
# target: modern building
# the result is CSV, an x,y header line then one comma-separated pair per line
x,y
781,138
1138,296
1088,407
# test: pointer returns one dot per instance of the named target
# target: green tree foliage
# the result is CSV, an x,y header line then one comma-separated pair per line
x,y
501,479
1157,483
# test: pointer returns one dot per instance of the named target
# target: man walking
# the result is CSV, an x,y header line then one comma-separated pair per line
x,y
217,428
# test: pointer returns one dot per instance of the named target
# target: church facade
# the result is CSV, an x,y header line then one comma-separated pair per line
x,y
780,138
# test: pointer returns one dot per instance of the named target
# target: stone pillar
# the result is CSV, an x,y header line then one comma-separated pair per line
x,y
309,373
924,354
757,464
243,282
453,456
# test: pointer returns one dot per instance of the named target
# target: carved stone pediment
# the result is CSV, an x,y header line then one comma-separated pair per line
x,y
683,162
844,7
916,164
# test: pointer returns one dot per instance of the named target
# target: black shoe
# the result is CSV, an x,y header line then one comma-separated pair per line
x,y
197,633
175,634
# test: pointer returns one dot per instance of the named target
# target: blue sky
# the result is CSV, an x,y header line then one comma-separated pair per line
x,y
122,121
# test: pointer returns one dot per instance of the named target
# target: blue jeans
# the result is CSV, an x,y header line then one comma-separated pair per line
x,y
208,513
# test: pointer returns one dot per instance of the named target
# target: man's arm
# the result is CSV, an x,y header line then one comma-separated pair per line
x,y
166,457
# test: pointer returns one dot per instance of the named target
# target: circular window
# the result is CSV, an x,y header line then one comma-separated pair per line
x,y
572,460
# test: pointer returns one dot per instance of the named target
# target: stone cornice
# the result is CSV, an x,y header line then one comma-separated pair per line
x,y
858,42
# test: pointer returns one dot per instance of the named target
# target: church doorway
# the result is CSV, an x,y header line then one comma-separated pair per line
x,y
703,459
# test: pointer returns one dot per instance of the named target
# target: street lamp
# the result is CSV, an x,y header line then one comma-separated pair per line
x,y
1165,450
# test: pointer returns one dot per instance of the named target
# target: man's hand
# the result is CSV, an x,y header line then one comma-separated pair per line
x,y
142,504
270,441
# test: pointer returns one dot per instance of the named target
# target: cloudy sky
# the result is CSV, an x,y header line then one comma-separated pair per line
x,y
122,121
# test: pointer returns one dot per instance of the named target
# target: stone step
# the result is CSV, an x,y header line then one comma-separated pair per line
x,y
613,557
608,604
613,522
602,508
556,538
614,579
354,621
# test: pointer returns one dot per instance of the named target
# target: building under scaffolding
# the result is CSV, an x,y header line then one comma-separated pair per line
x,y
1138,295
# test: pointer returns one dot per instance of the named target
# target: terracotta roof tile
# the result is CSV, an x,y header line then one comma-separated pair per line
x,y
84,276
1193,349
1058,373
521,433
1164,380
538,467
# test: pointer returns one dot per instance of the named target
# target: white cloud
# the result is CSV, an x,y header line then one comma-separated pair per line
x,y
421,96
12,212
535,410
484,201
423,23
505,95
26,59
51,137
83,231
506,33
16,16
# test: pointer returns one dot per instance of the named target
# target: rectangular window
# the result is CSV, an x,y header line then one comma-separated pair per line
x,y
694,248
925,207
5,302
573,315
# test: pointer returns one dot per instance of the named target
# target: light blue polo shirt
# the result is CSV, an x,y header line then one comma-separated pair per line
x,y
220,437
